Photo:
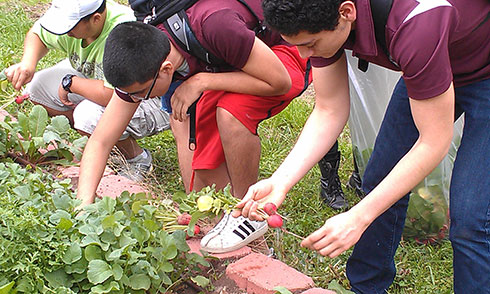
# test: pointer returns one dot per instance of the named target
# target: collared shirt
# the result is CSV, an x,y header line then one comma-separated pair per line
x,y
434,42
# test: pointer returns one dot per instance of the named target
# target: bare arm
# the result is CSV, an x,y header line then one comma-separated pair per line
x,y
112,124
262,75
434,120
322,128
34,49
93,90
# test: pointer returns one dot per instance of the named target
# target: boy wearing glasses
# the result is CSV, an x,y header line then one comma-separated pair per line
x,y
76,86
263,75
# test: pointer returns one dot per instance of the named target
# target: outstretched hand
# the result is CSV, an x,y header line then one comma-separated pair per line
x,y
257,195
338,234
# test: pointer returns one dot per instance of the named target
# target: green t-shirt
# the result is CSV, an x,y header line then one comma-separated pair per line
x,y
88,60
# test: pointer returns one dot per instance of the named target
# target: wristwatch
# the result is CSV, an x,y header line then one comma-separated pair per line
x,y
66,82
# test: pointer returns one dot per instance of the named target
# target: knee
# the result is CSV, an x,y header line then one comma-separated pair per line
x,y
35,88
86,115
466,228
229,124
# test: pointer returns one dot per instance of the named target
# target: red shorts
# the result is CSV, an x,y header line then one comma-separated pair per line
x,y
250,110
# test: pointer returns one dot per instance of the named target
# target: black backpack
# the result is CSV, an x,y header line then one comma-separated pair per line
x,y
171,13
380,9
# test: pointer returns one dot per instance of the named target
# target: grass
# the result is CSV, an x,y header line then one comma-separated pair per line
x,y
421,268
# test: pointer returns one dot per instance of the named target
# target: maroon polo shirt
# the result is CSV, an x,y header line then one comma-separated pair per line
x,y
434,42
225,28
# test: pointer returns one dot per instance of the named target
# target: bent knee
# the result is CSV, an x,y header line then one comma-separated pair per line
x,y
86,116
228,122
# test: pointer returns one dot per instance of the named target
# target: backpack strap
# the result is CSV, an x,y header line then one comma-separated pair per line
x,y
261,27
380,9
178,27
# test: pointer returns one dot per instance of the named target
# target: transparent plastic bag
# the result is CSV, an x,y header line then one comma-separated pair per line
x,y
427,217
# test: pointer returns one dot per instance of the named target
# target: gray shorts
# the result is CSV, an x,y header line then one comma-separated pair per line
x,y
148,119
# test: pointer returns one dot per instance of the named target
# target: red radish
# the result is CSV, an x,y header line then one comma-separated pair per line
x,y
270,208
274,221
184,219
197,230
19,100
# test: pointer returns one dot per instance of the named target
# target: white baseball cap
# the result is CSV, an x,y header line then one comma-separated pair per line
x,y
64,15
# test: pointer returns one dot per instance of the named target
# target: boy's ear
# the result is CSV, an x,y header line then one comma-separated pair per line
x,y
347,10
167,67
96,18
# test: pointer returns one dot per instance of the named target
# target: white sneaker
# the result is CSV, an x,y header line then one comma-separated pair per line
x,y
232,234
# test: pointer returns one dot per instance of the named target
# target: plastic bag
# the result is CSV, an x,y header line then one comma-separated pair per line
x,y
427,216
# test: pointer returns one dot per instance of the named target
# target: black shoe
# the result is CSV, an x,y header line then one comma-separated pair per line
x,y
355,184
330,187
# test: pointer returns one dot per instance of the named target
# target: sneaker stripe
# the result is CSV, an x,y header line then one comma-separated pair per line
x,y
244,230
249,225
239,235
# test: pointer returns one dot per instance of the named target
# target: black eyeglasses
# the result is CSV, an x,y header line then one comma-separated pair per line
x,y
128,96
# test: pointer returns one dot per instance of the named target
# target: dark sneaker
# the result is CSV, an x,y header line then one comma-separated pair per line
x,y
330,187
355,183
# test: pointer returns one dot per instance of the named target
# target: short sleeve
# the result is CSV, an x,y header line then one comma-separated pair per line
x,y
322,62
228,37
51,41
421,48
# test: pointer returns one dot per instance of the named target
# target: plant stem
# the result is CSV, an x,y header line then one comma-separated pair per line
x,y
292,234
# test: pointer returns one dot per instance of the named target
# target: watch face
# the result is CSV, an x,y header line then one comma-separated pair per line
x,y
66,82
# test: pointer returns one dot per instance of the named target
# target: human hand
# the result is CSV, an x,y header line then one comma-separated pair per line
x,y
257,196
183,97
19,74
63,94
338,234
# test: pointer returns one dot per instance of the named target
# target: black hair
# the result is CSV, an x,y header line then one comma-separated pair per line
x,y
99,10
290,17
133,52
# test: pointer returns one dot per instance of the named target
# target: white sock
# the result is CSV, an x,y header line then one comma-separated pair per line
x,y
144,154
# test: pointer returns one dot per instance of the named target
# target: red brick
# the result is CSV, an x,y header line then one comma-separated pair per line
x,y
74,171
113,186
318,291
259,274
195,246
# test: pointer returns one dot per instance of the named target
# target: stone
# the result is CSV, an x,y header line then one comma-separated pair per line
x,y
260,274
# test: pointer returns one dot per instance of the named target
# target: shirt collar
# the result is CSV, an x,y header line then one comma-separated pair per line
x,y
365,39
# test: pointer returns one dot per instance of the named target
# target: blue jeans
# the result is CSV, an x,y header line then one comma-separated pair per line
x,y
371,268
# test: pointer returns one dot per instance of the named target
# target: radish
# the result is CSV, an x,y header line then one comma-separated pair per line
x,y
197,230
20,99
270,208
274,221
184,219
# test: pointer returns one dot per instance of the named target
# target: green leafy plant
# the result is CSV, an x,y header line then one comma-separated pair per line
x,y
31,246
122,248
115,246
427,215
25,137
